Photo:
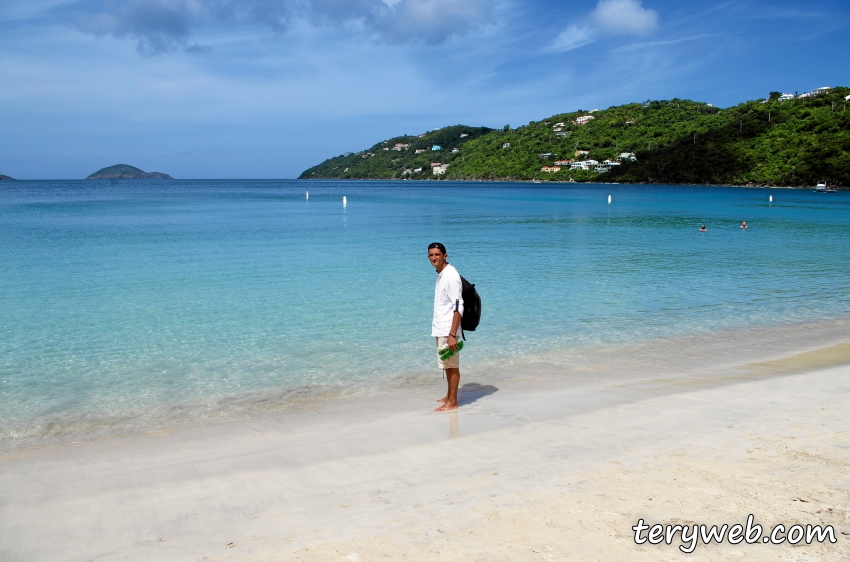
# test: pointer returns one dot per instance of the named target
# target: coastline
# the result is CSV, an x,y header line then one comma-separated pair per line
x,y
532,467
706,354
544,182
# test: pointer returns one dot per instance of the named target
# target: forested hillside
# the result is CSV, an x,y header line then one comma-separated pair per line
x,y
795,142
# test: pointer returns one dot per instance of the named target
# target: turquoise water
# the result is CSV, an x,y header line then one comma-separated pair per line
x,y
128,305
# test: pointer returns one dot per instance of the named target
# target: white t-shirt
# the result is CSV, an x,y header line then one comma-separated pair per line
x,y
447,298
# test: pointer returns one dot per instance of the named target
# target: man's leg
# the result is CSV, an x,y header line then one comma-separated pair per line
x,y
445,398
453,380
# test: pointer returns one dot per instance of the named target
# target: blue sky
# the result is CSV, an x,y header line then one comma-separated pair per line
x,y
267,88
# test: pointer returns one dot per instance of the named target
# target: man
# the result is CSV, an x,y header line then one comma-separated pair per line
x,y
448,310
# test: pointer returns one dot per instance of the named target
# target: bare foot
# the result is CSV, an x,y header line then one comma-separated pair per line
x,y
443,400
448,406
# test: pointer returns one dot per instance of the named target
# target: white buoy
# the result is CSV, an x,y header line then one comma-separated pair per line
x,y
344,202
308,196
771,198
609,199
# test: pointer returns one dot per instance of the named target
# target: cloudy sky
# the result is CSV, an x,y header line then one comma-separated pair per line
x,y
267,88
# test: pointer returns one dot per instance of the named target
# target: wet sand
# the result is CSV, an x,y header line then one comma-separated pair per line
x,y
530,468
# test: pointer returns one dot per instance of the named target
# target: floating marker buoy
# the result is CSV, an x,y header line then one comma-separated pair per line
x,y
344,202
609,199
308,196
771,198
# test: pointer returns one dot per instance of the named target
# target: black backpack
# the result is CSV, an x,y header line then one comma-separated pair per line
x,y
471,307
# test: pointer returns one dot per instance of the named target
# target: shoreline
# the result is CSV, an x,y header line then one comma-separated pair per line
x,y
543,182
707,352
529,467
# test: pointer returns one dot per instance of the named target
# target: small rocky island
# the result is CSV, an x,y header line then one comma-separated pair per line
x,y
2,177
125,172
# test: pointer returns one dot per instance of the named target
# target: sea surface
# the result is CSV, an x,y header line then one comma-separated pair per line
x,y
135,305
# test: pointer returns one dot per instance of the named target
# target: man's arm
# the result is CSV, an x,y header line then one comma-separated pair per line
x,y
453,332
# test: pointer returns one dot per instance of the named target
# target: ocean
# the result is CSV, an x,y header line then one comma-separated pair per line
x,y
127,306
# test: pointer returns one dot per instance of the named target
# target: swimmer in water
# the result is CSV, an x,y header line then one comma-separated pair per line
x,y
744,225
702,228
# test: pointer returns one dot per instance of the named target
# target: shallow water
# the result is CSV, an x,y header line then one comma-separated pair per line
x,y
129,305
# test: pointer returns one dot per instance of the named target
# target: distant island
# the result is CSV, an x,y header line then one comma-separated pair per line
x,y
125,172
781,140
2,177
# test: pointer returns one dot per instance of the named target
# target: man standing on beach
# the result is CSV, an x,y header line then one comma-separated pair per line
x,y
448,310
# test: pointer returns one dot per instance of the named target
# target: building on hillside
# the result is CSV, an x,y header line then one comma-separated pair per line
x,y
550,169
386,148
563,133
455,150
546,155
422,136
435,164
605,166
506,145
584,165
582,153
464,135
419,151
439,169
563,162
407,172
846,98
417,170
594,110
561,124
786,97
584,119
558,129
399,146
627,156
436,148
819,91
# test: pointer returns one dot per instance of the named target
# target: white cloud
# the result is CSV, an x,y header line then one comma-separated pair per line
x,y
624,16
403,21
573,38
609,16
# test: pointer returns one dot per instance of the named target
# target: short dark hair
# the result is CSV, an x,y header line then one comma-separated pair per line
x,y
439,246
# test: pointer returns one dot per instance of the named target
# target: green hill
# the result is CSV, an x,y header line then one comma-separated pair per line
x,y
2,177
763,142
125,172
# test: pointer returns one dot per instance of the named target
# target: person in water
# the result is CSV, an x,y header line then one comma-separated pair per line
x,y
702,228
744,224
448,311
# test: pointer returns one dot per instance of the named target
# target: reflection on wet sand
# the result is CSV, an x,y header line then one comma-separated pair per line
x,y
454,426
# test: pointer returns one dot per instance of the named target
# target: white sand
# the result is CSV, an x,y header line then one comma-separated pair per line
x,y
533,470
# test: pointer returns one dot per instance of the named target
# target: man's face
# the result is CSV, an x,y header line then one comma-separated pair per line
x,y
437,258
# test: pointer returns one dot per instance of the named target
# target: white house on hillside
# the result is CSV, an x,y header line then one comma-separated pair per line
x,y
584,165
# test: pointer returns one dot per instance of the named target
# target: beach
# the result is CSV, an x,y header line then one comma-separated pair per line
x,y
529,468
225,370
